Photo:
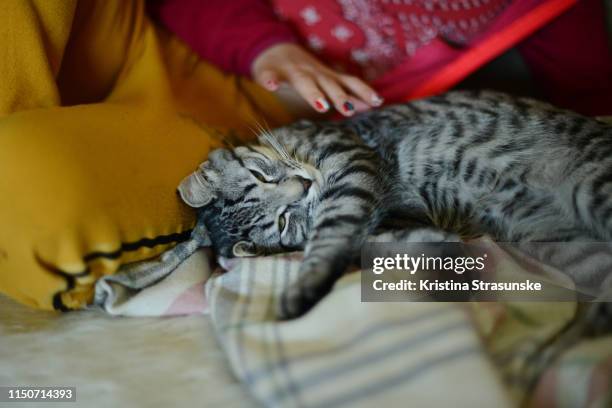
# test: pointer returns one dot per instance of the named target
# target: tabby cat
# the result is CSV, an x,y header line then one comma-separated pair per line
x,y
467,162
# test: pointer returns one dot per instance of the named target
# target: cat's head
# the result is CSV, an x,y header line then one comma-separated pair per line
x,y
254,199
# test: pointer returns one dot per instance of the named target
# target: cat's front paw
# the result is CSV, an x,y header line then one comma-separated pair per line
x,y
303,294
294,302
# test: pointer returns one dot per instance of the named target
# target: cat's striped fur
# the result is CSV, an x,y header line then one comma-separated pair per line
x,y
471,163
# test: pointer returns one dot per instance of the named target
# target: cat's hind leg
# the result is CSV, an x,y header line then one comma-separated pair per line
x,y
591,199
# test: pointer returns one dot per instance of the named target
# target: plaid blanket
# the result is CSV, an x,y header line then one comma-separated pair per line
x,y
348,353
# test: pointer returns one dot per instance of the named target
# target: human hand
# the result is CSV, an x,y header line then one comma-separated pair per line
x,y
313,81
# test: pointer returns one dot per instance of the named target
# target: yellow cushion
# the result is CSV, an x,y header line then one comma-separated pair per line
x,y
101,116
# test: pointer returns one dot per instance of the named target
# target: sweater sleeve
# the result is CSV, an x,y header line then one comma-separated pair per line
x,y
228,33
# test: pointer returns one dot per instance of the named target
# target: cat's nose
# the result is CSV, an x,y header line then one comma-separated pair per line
x,y
306,183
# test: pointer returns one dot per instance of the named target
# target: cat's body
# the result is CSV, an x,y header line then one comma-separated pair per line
x,y
516,169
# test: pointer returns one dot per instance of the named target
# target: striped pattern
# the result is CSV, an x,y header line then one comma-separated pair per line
x,y
344,352
348,353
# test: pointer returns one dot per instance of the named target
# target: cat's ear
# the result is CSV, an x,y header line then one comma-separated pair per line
x,y
195,190
243,249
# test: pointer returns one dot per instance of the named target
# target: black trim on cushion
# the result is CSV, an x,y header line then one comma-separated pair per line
x,y
145,242
70,282
57,298
70,278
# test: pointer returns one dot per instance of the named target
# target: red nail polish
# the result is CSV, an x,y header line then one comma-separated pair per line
x,y
321,105
348,107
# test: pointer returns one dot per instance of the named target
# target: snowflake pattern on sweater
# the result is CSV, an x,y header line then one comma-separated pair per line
x,y
370,37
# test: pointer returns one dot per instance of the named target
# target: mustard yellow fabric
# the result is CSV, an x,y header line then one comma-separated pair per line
x,y
101,115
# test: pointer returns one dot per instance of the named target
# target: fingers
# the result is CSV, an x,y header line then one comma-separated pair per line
x,y
348,94
313,80
341,100
305,85
360,89
360,106
268,79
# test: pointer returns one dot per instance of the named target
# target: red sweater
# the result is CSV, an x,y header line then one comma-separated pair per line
x,y
204,25
572,65
367,38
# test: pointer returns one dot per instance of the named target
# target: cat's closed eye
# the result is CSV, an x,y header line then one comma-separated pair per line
x,y
259,176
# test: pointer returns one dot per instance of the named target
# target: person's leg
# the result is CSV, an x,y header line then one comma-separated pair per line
x,y
571,59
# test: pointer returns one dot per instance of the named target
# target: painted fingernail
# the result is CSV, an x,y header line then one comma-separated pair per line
x,y
321,105
348,107
272,84
377,100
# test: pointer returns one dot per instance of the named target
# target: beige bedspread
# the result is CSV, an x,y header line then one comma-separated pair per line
x,y
117,362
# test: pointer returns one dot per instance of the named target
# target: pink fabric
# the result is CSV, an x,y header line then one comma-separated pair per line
x,y
191,301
